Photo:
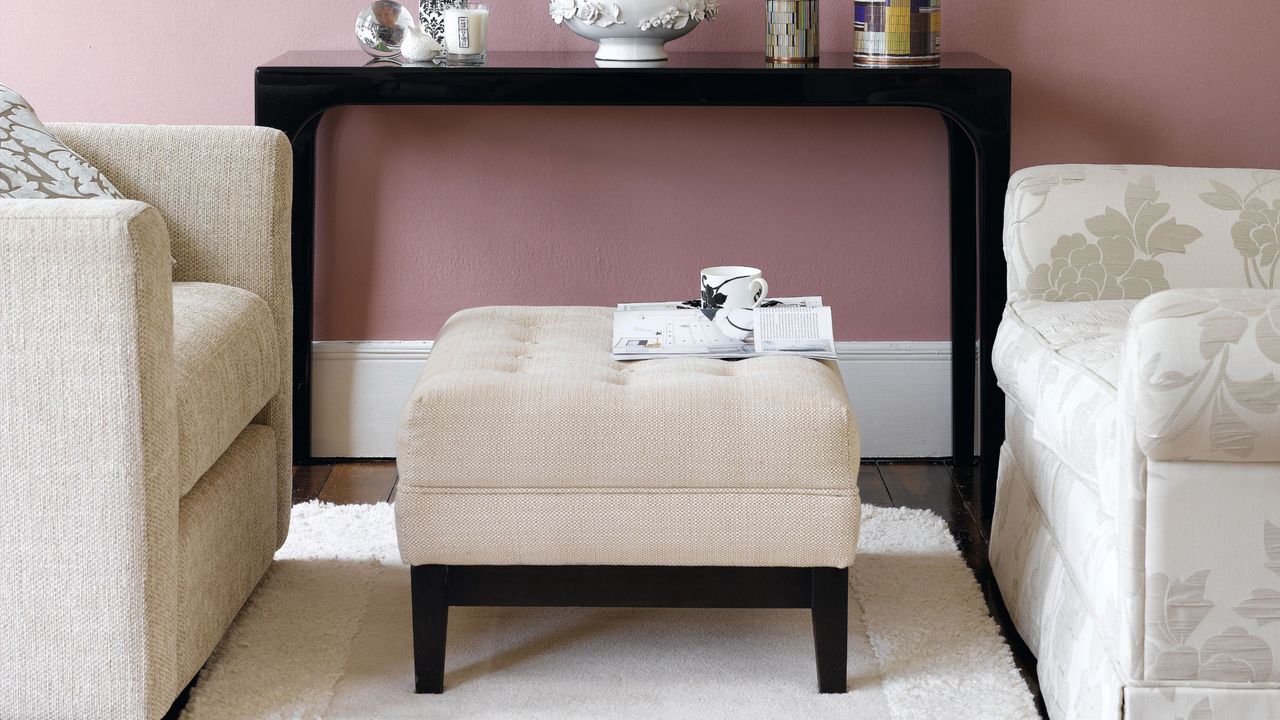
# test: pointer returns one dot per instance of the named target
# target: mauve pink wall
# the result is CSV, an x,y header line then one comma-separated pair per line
x,y
429,210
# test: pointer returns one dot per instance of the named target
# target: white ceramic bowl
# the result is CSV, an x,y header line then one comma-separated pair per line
x,y
632,30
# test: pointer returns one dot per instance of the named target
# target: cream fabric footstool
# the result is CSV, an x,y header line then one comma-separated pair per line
x,y
537,471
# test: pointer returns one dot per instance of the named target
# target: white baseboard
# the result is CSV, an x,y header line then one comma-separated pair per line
x,y
900,391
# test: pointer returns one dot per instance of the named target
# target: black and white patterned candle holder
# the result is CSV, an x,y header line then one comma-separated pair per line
x,y
791,35
433,16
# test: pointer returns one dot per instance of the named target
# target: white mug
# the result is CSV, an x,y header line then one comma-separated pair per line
x,y
733,286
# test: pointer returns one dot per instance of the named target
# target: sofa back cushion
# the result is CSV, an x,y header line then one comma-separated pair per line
x,y
1123,232
34,164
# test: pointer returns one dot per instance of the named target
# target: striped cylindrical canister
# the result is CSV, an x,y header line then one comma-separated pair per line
x,y
791,35
897,32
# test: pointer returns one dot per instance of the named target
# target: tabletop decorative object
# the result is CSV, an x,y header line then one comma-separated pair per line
x,y
897,32
632,30
380,28
418,45
466,34
433,16
791,35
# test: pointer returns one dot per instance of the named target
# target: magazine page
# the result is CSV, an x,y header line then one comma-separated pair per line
x,y
671,332
789,329
787,326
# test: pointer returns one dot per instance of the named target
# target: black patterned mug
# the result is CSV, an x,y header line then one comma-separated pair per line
x,y
733,286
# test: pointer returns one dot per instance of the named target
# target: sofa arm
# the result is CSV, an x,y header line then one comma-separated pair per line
x,y
226,195
88,453
1201,375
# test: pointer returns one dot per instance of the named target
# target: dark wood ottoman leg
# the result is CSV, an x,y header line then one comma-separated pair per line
x,y
429,587
831,627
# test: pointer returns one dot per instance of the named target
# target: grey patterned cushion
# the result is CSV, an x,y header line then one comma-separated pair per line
x,y
34,164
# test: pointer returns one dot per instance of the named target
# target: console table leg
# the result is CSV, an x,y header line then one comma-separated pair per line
x,y
304,231
964,290
430,599
993,178
831,627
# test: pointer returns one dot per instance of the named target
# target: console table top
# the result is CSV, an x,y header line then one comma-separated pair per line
x,y
534,61
297,87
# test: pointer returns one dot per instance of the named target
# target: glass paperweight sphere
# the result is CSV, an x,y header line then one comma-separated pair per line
x,y
380,28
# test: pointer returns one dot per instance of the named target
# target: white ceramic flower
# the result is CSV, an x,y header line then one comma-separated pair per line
x,y
562,10
588,12
672,18
609,14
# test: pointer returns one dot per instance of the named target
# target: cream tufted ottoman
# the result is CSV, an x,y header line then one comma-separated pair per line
x,y
537,471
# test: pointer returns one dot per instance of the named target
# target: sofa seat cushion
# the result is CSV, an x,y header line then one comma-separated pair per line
x,y
1059,361
524,442
227,367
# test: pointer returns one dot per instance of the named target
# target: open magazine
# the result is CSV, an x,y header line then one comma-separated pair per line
x,y
781,326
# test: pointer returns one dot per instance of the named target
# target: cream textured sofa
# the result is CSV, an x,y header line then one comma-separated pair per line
x,y
144,421
1136,539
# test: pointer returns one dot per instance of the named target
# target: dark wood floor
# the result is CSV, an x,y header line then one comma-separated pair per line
x,y
948,491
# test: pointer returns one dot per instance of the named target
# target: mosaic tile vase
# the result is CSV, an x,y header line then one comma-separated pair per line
x,y
791,35
897,32
433,16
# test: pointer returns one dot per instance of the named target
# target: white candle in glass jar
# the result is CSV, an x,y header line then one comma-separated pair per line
x,y
466,30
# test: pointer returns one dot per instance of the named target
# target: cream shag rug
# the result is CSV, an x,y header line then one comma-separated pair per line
x,y
326,635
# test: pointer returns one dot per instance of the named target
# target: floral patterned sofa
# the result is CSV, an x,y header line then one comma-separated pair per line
x,y
1136,538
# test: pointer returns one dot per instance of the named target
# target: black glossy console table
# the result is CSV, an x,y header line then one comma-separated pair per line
x,y
294,91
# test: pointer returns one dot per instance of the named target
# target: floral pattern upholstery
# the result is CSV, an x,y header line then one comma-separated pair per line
x,y
1092,232
1079,678
1137,529
1200,703
1204,375
1060,362
1213,579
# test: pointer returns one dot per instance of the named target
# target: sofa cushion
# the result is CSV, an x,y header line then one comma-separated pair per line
x,y
34,164
1059,361
227,367
524,442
